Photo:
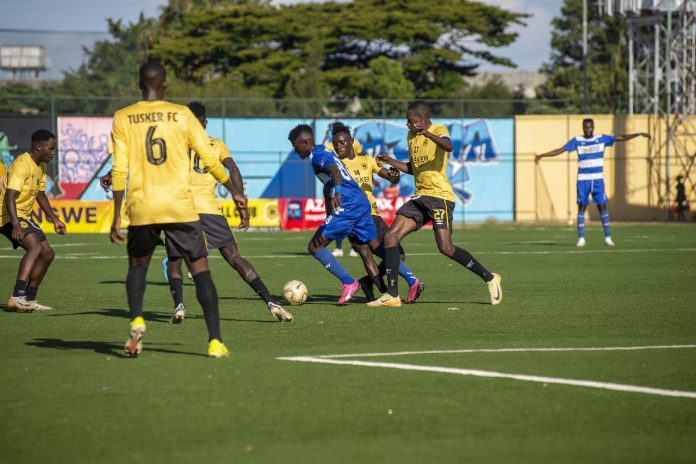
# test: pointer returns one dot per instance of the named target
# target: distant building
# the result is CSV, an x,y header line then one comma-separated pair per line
x,y
522,82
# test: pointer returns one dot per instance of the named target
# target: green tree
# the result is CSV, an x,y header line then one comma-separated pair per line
x,y
607,63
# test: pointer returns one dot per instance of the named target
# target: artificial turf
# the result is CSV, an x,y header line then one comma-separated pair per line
x,y
69,394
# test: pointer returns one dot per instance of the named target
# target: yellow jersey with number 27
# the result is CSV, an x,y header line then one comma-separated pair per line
x,y
429,164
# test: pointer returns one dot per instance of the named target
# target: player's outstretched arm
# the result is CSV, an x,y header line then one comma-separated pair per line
x,y
401,166
555,152
235,174
45,205
627,137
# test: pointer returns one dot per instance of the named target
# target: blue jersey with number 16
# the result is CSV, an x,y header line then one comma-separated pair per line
x,y
351,194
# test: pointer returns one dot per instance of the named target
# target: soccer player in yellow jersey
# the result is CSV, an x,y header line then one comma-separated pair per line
x,y
428,148
25,185
361,168
217,232
151,142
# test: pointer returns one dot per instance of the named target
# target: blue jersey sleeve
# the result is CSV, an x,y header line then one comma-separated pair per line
x,y
572,145
608,140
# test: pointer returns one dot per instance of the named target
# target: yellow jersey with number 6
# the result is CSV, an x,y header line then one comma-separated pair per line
x,y
429,164
203,183
151,142
26,177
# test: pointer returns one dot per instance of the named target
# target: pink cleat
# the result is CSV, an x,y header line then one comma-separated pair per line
x,y
347,292
414,291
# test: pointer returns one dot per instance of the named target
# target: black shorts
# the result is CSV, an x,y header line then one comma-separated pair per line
x,y
217,231
423,209
183,239
27,225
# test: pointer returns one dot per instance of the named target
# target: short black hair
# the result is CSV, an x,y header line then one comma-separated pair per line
x,y
198,109
588,120
41,135
152,72
339,128
297,130
420,107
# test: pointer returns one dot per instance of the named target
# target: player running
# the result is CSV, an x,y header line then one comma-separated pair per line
x,y
361,168
428,148
151,142
24,185
217,232
590,149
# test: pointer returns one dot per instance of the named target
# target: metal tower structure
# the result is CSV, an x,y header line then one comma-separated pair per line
x,y
662,83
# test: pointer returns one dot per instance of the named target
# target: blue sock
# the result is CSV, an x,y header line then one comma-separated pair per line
x,y
406,273
604,216
332,265
581,225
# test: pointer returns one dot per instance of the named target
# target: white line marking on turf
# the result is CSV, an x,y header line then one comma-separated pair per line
x,y
331,359
294,256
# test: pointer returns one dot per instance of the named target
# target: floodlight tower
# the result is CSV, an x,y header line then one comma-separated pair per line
x,y
662,82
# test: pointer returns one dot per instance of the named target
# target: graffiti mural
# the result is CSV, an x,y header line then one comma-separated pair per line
x,y
480,167
82,150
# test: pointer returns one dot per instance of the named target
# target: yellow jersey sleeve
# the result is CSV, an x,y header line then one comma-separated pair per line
x,y
119,147
18,174
44,168
373,164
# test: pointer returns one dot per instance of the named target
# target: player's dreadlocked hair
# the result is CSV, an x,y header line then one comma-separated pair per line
x,y
297,130
198,109
339,128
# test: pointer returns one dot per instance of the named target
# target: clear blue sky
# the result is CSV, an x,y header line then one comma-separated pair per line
x,y
64,50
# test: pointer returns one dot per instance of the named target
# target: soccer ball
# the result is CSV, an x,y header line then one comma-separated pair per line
x,y
295,292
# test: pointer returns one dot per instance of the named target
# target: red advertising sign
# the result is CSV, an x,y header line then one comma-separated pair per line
x,y
309,213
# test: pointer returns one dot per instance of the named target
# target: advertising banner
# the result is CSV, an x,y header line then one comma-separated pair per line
x,y
309,213
95,216
263,213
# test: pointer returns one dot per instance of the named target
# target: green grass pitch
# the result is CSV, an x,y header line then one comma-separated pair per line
x,y
69,395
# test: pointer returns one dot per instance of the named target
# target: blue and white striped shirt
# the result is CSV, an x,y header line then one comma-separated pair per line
x,y
590,155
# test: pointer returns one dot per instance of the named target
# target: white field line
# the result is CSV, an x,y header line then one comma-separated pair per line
x,y
331,359
281,256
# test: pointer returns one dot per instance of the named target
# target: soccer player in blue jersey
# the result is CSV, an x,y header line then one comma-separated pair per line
x,y
350,210
590,150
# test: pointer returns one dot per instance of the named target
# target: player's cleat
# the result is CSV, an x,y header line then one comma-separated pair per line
x,y
581,242
38,306
366,287
385,300
134,345
216,349
278,312
189,275
347,292
337,252
179,314
19,304
414,291
353,253
608,241
165,269
495,290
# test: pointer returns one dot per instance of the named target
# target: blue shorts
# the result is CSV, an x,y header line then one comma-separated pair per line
x,y
354,221
594,187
